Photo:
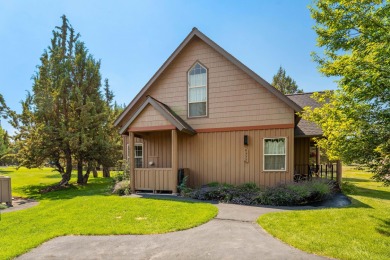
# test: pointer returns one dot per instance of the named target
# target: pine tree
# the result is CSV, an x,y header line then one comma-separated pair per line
x,y
284,83
63,118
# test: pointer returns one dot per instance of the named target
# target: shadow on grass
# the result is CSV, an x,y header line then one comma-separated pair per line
x,y
53,176
97,186
356,180
2,171
371,193
358,204
384,226
175,198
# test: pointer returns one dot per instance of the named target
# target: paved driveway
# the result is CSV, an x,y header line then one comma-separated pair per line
x,y
233,234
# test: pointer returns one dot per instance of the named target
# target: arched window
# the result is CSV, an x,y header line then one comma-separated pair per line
x,y
197,91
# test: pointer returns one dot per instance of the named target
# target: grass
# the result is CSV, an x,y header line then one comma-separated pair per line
x,y
359,231
87,210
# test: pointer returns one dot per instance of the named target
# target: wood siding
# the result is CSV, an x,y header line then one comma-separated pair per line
x,y
150,117
156,148
154,179
234,98
220,156
301,152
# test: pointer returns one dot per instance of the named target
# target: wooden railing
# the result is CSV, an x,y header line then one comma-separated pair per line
x,y
154,179
307,172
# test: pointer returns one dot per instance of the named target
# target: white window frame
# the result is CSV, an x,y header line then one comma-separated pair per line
x,y
285,154
139,157
188,91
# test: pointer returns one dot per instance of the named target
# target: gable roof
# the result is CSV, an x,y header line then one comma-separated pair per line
x,y
305,128
196,33
165,111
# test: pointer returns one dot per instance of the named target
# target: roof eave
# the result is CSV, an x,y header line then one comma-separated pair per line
x,y
155,76
196,32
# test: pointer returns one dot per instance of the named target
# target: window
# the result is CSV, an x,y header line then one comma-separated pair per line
x,y
138,155
275,154
197,91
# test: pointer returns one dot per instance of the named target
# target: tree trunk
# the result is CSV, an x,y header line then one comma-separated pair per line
x,y
68,169
80,177
95,173
106,172
86,175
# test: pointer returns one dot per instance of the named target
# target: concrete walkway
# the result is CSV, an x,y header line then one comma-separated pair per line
x,y
19,204
233,234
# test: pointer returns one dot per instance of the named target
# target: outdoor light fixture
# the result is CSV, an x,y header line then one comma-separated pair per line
x,y
246,140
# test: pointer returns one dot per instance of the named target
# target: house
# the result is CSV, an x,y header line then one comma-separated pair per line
x,y
206,112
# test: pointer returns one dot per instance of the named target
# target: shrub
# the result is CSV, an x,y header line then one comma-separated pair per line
x,y
249,187
183,189
119,177
243,194
282,195
297,193
122,188
348,188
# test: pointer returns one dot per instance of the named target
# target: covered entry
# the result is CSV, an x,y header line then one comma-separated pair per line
x,y
152,146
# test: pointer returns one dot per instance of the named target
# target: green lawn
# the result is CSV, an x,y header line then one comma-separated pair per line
x,y
360,231
87,210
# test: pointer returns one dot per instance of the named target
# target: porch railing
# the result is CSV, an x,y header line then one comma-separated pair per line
x,y
307,172
154,179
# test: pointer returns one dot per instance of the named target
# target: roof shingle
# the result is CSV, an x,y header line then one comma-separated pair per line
x,y
305,128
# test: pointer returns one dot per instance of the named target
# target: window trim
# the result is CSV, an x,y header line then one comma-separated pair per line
x,y
188,91
285,154
138,157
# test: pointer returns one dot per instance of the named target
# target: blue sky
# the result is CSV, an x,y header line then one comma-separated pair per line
x,y
134,38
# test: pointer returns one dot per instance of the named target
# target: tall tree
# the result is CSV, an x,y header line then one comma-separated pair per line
x,y
6,112
64,113
355,119
4,145
285,83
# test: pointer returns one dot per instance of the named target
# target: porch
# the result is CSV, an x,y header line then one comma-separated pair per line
x,y
158,179
310,163
152,147
329,171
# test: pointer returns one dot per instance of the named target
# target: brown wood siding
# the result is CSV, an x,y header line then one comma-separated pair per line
x,y
219,156
301,154
154,179
150,117
157,148
234,98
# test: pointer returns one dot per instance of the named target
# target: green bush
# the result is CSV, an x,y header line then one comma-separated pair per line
x,y
183,189
348,188
283,195
248,187
122,188
297,193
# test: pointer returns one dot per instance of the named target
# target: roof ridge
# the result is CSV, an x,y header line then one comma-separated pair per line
x,y
221,51
305,93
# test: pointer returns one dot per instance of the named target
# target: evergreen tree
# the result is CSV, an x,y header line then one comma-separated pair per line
x,y
64,117
4,145
285,83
